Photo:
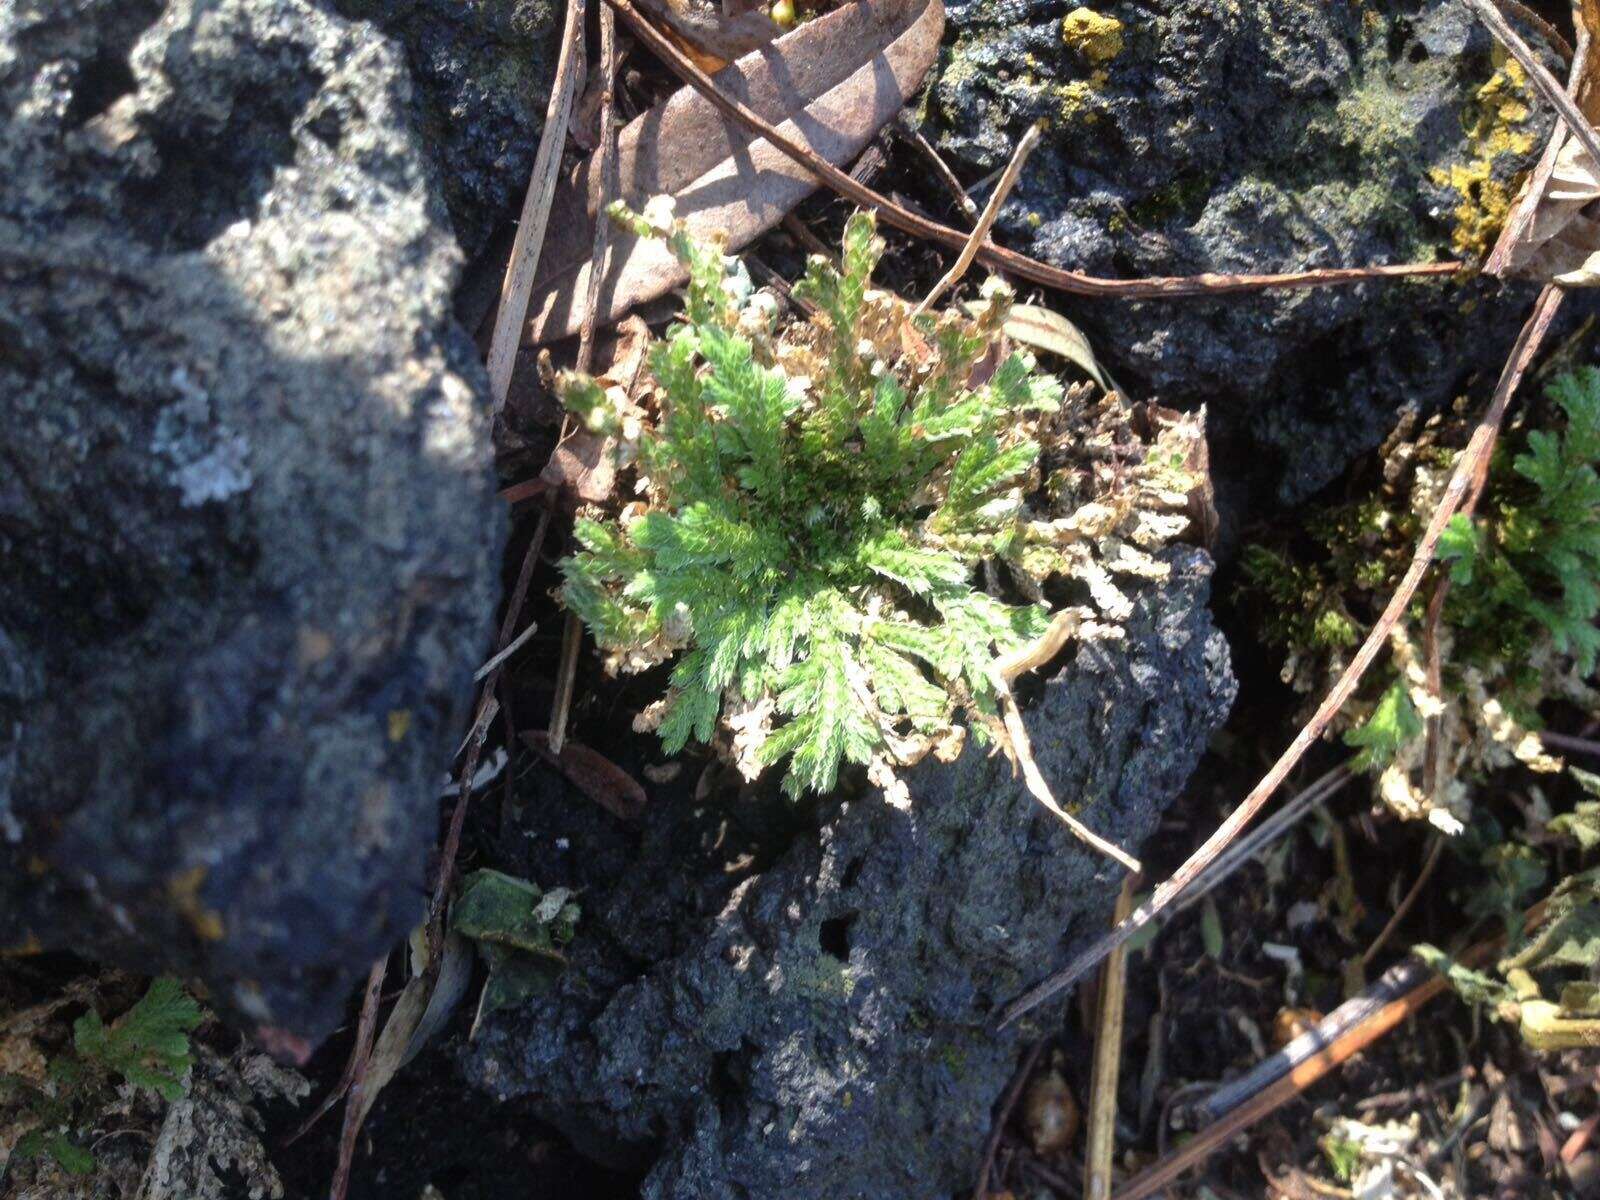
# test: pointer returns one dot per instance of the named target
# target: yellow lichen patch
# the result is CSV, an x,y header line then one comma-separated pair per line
x,y
183,890
399,724
1496,126
1078,98
1094,35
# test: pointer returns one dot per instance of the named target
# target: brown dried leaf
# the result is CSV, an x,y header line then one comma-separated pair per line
x,y
595,775
1554,236
830,84
713,34
1045,329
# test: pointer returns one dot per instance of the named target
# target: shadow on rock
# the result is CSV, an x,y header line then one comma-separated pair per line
x,y
248,539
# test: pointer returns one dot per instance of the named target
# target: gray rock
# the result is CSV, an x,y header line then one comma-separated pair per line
x,y
1258,137
248,538
482,70
762,1002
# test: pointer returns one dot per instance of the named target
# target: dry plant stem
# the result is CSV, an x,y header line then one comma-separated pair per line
x,y
499,659
1308,1071
365,1025
1022,747
1477,451
474,745
980,231
1566,742
608,185
1540,76
991,255
941,169
1100,1143
801,232
1247,848
1519,222
354,1080
566,680
1519,10
1435,852
524,264
1008,1101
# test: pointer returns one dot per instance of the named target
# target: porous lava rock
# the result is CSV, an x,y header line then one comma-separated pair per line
x,y
249,544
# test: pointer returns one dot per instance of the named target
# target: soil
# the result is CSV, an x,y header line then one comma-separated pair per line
x,y
1217,1011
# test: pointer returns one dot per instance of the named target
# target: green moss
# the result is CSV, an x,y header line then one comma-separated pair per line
x,y
1185,198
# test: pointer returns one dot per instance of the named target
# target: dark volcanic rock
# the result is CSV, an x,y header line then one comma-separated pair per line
x,y
1251,137
248,538
761,1007
482,70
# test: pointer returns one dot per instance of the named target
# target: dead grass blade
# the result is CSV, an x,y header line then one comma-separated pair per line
x,y
991,255
524,265
1100,1142
1474,456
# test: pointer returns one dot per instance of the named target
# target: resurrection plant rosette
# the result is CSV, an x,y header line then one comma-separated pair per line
x,y
844,529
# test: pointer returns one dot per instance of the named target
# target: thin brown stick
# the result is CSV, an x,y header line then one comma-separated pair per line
x,y
1516,227
524,265
1538,74
474,745
355,1076
566,681
1477,449
809,241
1008,1101
1308,1071
980,231
1565,741
1519,10
608,185
1100,1142
991,255
941,169
1435,853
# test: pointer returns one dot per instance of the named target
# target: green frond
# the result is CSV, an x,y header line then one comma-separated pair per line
x,y
813,542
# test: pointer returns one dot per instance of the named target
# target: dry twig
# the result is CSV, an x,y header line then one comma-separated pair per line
x,y
524,264
994,256
1476,452
1008,1101
1435,852
980,231
1538,75
1022,750
941,169
608,185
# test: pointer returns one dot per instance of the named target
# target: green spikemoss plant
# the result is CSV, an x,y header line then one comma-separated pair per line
x,y
146,1049
1518,626
842,525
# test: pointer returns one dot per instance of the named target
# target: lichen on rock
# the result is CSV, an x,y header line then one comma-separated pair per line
x,y
1257,137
